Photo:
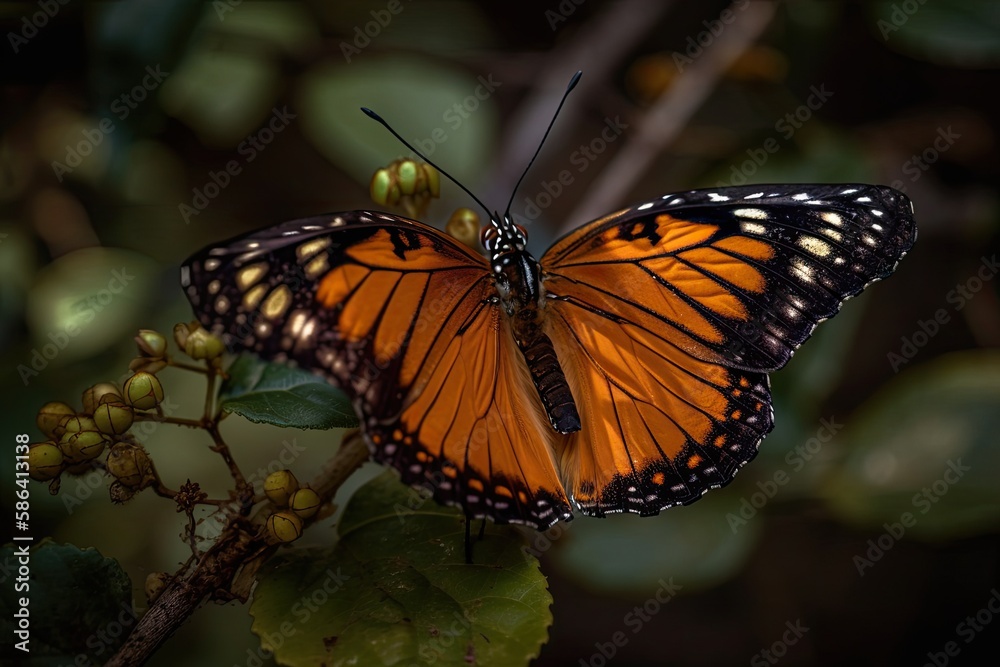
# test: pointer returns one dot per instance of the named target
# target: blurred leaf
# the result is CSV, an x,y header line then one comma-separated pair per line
x,y
287,25
962,33
221,96
80,603
84,302
434,107
416,26
396,590
278,394
926,444
695,545
227,84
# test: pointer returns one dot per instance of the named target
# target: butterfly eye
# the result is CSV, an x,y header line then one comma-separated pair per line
x,y
488,236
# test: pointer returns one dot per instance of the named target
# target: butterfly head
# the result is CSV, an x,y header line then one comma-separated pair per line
x,y
502,238
517,272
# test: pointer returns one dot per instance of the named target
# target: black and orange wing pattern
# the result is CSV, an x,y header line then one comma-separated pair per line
x,y
668,315
405,321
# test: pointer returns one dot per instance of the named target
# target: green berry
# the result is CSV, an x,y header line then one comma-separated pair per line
x,y
200,344
284,527
151,343
143,391
45,461
51,415
113,418
305,502
279,487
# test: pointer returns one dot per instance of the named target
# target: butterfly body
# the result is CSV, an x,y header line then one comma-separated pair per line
x,y
519,286
623,371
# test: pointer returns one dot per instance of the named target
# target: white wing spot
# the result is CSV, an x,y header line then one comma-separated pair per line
x,y
713,196
645,206
800,196
833,234
814,246
802,269
849,191
877,227
211,264
755,195
877,212
863,199
752,213
753,228
832,218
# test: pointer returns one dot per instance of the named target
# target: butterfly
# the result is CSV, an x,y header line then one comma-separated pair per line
x,y
623,371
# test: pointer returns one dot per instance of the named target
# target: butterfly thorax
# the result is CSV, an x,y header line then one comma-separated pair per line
x,y
518,281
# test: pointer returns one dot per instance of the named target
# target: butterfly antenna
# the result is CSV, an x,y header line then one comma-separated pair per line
x,y
374,116
572,84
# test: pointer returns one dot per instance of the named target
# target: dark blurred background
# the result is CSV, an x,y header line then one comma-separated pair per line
x,y
868,529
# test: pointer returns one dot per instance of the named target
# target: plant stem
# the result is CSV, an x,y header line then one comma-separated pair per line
x,y
239,552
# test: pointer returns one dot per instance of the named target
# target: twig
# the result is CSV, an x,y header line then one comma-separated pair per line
x,y
596,48
668,116
222,448
240,550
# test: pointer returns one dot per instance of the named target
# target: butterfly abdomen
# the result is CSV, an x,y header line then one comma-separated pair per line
x,y
546,372
522,292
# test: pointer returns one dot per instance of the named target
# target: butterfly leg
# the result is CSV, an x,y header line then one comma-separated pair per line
x,y
468,540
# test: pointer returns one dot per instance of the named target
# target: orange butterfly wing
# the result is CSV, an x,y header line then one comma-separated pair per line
x,y
405,321
667,316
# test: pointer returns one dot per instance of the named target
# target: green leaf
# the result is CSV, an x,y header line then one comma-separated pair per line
x,y
80,603
396,590
278,394
446,113
926,446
